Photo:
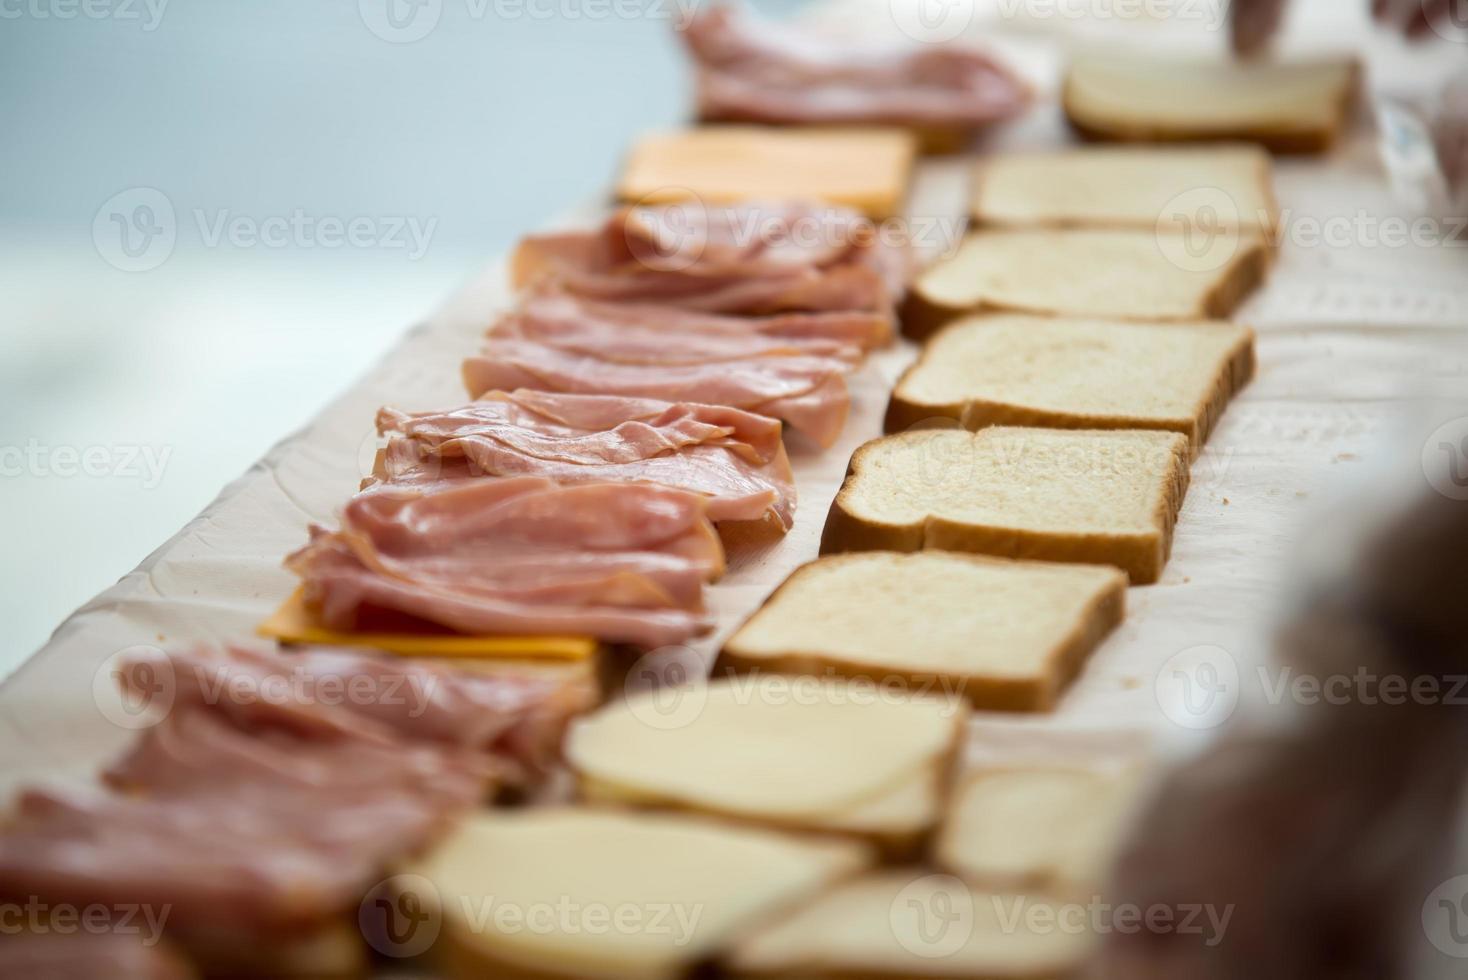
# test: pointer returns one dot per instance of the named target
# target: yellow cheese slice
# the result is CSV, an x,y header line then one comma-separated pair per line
x,y
293,622
864,168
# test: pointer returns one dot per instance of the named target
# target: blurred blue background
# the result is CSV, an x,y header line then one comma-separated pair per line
x,y
133,386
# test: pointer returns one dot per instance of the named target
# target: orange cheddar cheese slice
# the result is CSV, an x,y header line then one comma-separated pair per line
x,y
865,168
293,622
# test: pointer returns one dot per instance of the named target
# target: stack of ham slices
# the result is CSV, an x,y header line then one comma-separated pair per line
x,y
277,789
636,394
750,72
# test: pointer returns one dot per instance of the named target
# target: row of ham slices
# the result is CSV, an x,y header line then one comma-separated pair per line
x,y
637,394
259,810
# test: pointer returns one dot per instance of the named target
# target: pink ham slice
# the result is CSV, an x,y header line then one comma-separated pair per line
x,y
734,458
268,799
651,334
759,72
133,954
516,719
808,393
753,258
623,562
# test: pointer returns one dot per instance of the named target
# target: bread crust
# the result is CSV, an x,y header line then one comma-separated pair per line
x,y
976,413
1141,556
1103,614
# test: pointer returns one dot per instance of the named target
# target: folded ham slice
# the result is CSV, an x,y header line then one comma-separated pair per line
x,y
760,72
623,562
734,458
277,789
515,719
650,334
752,258
808,393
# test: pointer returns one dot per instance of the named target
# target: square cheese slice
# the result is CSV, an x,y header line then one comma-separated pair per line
x,y
862,168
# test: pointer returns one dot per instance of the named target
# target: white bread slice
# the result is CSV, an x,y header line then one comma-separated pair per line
x,y
517,890
796,752
1127,274
908,923
863,167
1008,635
1050,829
1289,107
1071,373
1124,186
1089,496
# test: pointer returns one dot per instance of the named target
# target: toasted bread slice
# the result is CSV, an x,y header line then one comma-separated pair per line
x,y
866,168
910,923
1128,274
590,893
1069,373
1288,107
1007,635
1048,829
1088,496
797,752
1126,187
